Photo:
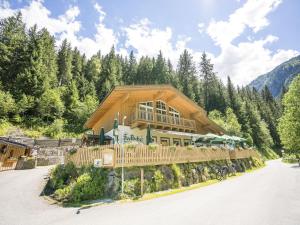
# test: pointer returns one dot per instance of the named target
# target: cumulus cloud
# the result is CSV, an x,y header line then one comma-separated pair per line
x,y
103,39
66,26
147,40
246,60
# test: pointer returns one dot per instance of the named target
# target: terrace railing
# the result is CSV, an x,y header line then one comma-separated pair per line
x,y
162,119
142,155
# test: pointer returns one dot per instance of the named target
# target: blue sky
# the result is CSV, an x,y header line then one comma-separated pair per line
x,y
243,38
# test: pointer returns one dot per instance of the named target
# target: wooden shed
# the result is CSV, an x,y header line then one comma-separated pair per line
x,y
11,152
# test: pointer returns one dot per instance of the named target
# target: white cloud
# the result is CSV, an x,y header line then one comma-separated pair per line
x,y
66,26
103,39
201,27
252,14
5,10
245,61
149,41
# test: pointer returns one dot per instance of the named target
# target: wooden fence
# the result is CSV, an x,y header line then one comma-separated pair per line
x,y
142,155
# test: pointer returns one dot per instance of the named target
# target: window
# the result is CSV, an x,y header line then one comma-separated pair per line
x,y
174,115
187,142
146,110
176,141
164,141
154,139
161,111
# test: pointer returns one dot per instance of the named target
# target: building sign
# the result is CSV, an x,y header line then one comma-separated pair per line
x,y
131,137
108,158
97,163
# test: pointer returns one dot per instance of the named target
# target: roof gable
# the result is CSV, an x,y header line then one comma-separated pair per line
x,y
154,91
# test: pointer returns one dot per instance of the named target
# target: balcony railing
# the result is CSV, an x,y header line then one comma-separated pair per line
x,y
162,119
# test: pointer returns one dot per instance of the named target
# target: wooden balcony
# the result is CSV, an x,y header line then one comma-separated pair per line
x,y
142,118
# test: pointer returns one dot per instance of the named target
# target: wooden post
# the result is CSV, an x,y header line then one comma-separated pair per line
x,y
142,181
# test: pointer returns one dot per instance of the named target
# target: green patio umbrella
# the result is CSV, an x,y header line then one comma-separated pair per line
x,y
101,137
115,131
148,137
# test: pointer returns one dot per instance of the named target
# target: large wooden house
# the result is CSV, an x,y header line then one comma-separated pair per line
x,y
174,118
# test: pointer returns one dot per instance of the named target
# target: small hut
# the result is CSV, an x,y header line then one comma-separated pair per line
x,y
11,152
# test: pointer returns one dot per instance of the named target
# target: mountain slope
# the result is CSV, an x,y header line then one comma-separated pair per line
x,y
279,77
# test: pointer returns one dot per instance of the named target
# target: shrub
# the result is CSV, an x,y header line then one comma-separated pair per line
x,y
62,194
55,129
4,127
131,145
132,188
177,176
190,147
158,179
152,146
62,175
72,151
90,185
257,162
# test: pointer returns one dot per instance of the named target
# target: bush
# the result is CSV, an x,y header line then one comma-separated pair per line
x,y
62,175
190,147
152,146
132,188
257,162
177,176
131,145
89,186
55,129
290,158
268,153
4,127
158,180
62,194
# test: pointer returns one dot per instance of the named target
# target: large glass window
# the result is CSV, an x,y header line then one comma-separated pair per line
x,y
161,111
174,115
146,110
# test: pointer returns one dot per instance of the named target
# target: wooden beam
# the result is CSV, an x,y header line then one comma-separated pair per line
x,y
125,98
194,114
171,98
158,95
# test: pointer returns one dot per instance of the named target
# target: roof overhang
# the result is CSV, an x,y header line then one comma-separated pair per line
x,y
124,92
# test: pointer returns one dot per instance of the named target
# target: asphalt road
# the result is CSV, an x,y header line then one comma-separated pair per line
x,y
269,196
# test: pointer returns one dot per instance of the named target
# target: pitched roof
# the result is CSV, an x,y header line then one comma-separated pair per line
x,y
122,91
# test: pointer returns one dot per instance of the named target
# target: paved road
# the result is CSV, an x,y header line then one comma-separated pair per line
x,y
270,196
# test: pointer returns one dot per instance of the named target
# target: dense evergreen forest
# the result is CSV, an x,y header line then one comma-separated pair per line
x,y
54,89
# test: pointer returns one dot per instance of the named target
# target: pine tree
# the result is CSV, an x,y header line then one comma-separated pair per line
x,y
213,90
144,73
13,48
232,97
160,70
186,72
110,75
130,69
64,62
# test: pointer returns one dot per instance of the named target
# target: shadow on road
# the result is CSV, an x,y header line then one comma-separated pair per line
x,y
295,166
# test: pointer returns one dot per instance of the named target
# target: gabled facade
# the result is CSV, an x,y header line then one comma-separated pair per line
x,y
162,106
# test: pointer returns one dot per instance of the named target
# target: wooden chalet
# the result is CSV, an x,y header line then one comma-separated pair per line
x,y
10,153
174,118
